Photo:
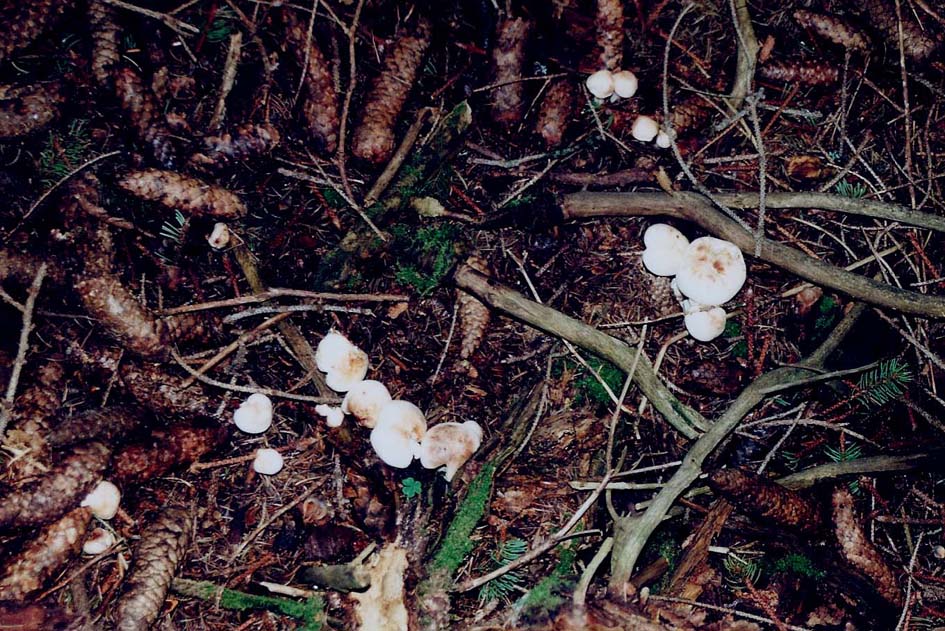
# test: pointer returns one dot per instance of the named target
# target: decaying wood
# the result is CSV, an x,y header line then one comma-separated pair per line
x,y
610,34
24,110
320,100
806,72
859,551
161,549
28,570
833,28
167,448
508,61
187,194
245,142
106,54
44,499
22,22
767,500
139,105
373,138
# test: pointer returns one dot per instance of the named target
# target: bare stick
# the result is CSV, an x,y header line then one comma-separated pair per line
x,y
7,408
403,150
173,23
276,292
229,76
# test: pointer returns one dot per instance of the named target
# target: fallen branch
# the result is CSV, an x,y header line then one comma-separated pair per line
x,y
311,611
697,209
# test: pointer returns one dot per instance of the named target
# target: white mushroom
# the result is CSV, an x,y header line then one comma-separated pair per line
x,y
254,415
343,363
103,501
450,445
625,84
665,247
267,461
704,323
601,84
219,237
98,542
397,434
644,129
663,141
712,271
334,416
365,400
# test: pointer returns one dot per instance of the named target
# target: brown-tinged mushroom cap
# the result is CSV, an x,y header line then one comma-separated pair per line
x,y
365,401
396,436
712,271
450,445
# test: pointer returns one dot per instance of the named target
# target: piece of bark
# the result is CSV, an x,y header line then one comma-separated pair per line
x,y
184,193
22,22
24,110
767,500
166,449
40,559
833,28
556,111
473,316
610,35
319,107
508,61
859,551
141,108
44,499
807,72
373,138
161,549
162,392
104,424
917,44
105,33
245,142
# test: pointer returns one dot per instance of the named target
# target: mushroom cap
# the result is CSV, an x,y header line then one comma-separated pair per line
x,y
331,347
268,461
711,272
365,400
103,501
334,416
98,542
344,363
645,128
663,141
449,445
396,436
219,237
625,84
601,84
664,249
254,415
703,322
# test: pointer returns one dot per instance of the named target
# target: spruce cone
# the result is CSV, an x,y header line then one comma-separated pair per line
x,y
183,193
556,111
139,105
834,29
320,101
247,141
58,491
107,300
916,44
161,549
24,110
508,59
767,500
808,72
610,34
859,551
473,315
42,558
373,138
23,22
163,393
96,424
105,33
690,115
166,449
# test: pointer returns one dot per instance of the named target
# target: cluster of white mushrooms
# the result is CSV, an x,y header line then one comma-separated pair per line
x,y
103,503
399,432
623,84
709,272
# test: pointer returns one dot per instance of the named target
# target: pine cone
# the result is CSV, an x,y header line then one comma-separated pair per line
x,y
833,28
95,424
163,393
320,102
142,111
40,559
556,111
767,500
859,551
183,193
473,316
107,300
23,22
690,115
161,549
807,72
105,33
916,44
247,141
24,110
508,59
610,34
166,449
373,138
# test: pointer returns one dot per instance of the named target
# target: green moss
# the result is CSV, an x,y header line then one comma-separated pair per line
x,y
590,389
435,248
545,597
799,564
458,543
334,199
311,611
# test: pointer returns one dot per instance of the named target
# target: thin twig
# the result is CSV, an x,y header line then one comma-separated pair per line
x,y
277,292
173,23
265,523
230,67
393,165
346,108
